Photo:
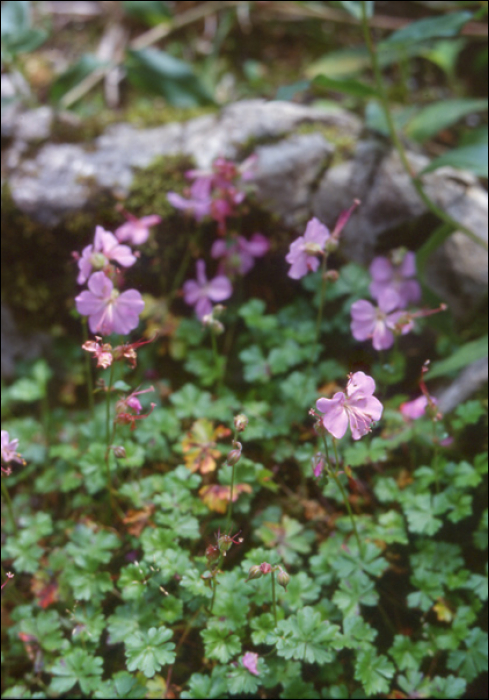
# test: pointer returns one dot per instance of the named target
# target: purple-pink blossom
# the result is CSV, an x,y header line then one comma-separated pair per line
x,y
135,230
108,310
105,249
199,201
357,407
395,276
238,254
250,661
303,252
200,293
379,323
9,449
414,409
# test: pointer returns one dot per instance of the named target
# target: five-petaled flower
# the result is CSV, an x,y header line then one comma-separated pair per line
x,y
9,451
108,310
357,406
303,252
105,248
379,323
201,292
395,275
238,254
135,230
250,661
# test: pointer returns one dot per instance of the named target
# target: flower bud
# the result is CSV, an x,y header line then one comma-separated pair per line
x,y
254,572
212,553
234,456
318,464
240,422
119,452
224,543
332,275
283,578
265,567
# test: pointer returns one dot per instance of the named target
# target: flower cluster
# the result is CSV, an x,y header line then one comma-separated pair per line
x,y
259,570
394,288
217,192
108,310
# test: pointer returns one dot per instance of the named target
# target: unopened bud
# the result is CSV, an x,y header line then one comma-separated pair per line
x,y
218,310
265,567
319,428
212,553
332,275
224,543
235,455
240,422
331,245
119,451
254,572
283,578
317,464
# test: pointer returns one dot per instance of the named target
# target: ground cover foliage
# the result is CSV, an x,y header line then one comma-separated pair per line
x,y
246,489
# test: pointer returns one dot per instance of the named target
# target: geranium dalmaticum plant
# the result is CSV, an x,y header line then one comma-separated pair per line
x,y
128,410
395,275
201,292
316,241
136,231
105,249
237,254
356,406
105,354
9,451
108,310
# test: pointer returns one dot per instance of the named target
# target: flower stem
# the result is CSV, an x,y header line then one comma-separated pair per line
x,y
216,361
343,492
231,493
320,310
274,604
88,369
9,507
109,436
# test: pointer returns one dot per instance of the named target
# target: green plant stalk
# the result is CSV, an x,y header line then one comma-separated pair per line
x,y
215,354
109,436
88,369
320,309
343,493
415,180
274,603
9,507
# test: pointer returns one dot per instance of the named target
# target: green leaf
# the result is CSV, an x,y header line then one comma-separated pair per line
x,y
421,514
149,11
430,28
354,7
306,637
45,627
149,651
207,687
373,671
79,667
472,660
263,627
86,65
242,682
158,72
468,413
219,643
461,358
15,17
408,654
255,368
345,86
353,592
473,158
88,545
122,685
88,583
430,120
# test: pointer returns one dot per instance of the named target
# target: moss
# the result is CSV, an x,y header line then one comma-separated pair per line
x,y
344,143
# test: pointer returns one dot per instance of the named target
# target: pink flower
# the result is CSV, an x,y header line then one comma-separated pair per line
x,y
303,251
200,293
9,449
250,661
200,200
358,407
105,248
378,323
136,231
414,409
107,309
394,276
238,254
131,403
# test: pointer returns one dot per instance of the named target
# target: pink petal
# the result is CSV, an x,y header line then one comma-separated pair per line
x,y
219,288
